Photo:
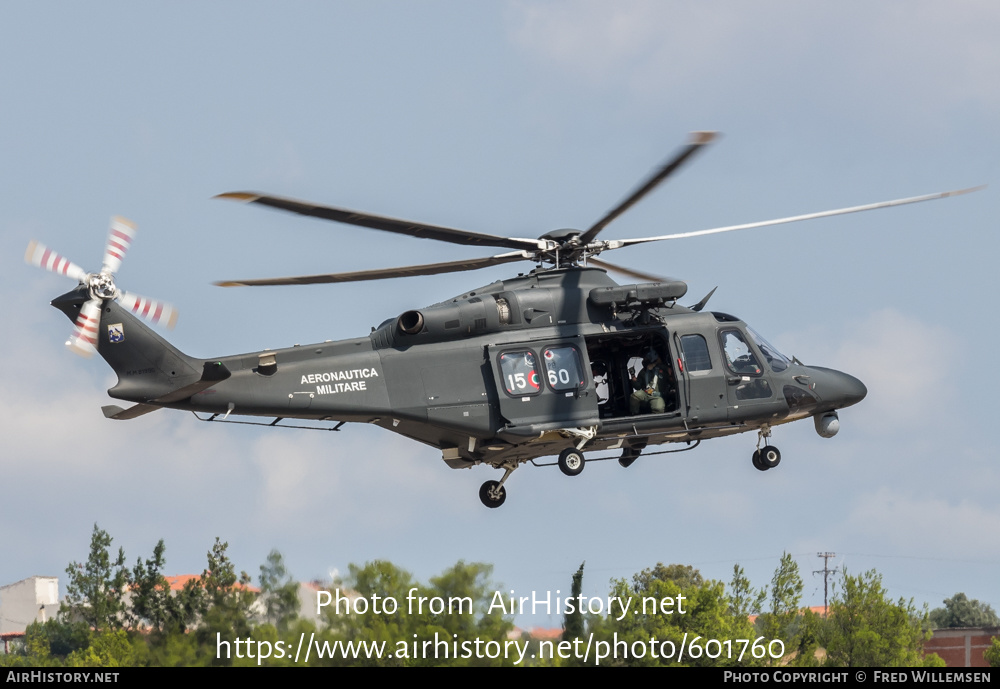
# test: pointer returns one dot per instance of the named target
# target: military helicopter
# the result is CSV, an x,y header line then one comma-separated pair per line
x,y
549,363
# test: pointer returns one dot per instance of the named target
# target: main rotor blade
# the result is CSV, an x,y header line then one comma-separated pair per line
x,y
42,256
618,243
119,239
379,222
406,271
648,277
698,139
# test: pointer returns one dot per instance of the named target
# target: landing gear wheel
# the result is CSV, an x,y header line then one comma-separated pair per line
x,y
492,494
571,461
756,461
769,456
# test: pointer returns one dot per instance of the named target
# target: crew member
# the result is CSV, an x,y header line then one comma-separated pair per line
x,y
650,385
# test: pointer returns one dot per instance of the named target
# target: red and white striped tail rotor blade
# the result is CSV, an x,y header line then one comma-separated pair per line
x,y
152,310
42,256
119,239
84,339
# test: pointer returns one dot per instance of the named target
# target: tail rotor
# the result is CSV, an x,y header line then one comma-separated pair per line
x,y
119,240
101,287
42,256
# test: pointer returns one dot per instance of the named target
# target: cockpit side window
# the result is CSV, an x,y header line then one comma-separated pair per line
x,y
739,357
695,351
520,373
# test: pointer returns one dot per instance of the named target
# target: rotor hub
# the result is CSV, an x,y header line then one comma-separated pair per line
x,y
564,238
102,286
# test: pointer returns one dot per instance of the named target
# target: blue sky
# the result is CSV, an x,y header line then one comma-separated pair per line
x,y
511,118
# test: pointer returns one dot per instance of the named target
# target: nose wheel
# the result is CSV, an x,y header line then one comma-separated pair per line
x,y
766,457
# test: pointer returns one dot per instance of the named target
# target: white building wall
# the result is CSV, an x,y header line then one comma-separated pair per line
x,y
34,599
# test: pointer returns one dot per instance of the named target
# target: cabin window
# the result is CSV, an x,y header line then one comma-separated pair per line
x,y
696,357
563,368
520,373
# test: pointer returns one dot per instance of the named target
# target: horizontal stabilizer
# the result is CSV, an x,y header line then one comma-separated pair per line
x,y
113,411
212,373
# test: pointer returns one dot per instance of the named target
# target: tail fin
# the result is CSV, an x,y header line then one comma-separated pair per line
x,y
148,366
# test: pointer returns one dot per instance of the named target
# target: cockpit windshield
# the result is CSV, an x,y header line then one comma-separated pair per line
x,y
778,361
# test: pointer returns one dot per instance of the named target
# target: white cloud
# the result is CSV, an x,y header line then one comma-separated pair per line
x,y
598,40
904,362
881,52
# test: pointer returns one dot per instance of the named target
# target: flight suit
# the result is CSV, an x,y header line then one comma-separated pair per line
x,y
650,386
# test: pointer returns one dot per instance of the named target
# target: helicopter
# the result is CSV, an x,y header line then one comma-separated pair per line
x,y
553,362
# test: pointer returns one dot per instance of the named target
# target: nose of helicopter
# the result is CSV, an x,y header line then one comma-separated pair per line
x,y
852,390
840,388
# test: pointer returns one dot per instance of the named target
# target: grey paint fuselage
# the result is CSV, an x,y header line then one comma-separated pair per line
x,y
433,374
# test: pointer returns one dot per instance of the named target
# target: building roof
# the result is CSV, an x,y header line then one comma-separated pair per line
x,y
178,581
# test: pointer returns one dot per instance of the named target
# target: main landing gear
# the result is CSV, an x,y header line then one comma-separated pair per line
x,y
492,493
766,457
571,461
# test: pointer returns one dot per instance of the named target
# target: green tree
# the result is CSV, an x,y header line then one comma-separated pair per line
x,y
808,632
743,603
453,607
279,592
152,604
108,649
186,606
466,590
784,600
573,621
992,654
868,629
96,590
684,576
376,621
702,614
227,596
48,644
959,611
744,600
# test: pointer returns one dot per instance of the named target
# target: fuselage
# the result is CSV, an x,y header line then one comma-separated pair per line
x,y
514,370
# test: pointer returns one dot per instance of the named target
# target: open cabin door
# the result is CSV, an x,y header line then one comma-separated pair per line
x,y
544,382
616,357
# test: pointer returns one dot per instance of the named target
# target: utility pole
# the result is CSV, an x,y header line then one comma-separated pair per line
x,y
826,572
